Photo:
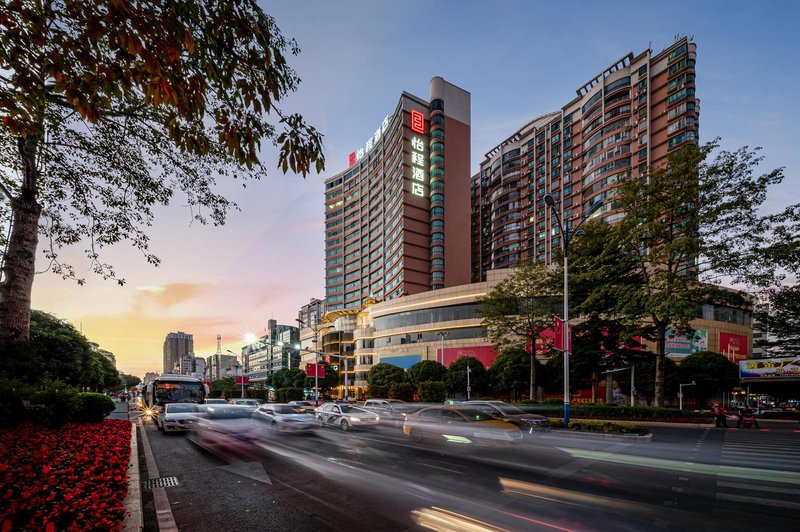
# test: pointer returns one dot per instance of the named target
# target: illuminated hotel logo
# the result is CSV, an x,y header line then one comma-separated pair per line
x,y
417,166
417,122
373,141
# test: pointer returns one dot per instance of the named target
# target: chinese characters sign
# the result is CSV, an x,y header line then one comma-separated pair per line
x,y
371,142
770,369
735,347
679,345
417,122
417,166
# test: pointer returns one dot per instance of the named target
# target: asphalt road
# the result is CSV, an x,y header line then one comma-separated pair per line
x,y
685,479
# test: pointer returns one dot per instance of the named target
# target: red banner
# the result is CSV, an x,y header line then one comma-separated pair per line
x,y
239,379
315,370
558,335
484,353
735,347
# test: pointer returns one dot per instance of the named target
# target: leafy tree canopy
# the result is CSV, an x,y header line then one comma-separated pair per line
x,y
778,315
384,374
111,108
331,379
711,371
426,370
456,377
510,372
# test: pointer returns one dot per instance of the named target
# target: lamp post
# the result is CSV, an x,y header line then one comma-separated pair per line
x,y
566,236
468,386
316,359
241,372
442,335
680,394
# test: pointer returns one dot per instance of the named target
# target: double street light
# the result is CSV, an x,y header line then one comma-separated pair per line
x,y
241,370
316,369
566,236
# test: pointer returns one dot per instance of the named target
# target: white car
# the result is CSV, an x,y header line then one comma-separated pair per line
x,y
346,417
286,418
177,417
223,428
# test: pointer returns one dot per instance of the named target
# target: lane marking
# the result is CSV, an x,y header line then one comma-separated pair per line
x,y
758,500
756,487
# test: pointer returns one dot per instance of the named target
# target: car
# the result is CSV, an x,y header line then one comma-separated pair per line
x,y
391,411
464,425
287,417
221,428
346,417
217,402
305,405
252,403
525,421
176,417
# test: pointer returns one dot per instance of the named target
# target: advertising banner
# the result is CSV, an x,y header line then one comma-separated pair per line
x,y
315,370
484,353
401,361
735,347
239,379
770,369
680,345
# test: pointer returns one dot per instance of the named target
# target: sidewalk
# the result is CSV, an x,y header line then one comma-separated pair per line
x,y
120,412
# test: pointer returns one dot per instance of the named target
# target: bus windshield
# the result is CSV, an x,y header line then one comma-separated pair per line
x,y
178,392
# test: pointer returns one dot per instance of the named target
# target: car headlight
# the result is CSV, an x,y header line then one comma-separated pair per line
x,y
149,412
377,419
354,419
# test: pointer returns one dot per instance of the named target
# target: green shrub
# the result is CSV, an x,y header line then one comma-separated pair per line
x,y
284,395
432,391
259,394
12,407
610,411
403,391
375,391
607,427
91,407
485,398
52,403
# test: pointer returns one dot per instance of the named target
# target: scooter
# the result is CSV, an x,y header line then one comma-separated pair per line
x,y
747,419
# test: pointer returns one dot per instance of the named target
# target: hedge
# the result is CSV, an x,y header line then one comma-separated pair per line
x,y
377,392
91,407
612,411
608,427
284,395
432,392
403,391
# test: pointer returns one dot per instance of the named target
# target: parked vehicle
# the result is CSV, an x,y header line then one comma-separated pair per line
x,y
287,417
177,417
460,425
217,402
525,421
346,417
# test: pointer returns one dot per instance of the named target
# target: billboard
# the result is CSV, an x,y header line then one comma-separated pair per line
x,y
485,353
770,369
735,347
401,361
679,345
315,370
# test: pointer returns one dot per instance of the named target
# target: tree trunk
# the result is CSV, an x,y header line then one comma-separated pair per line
x,y
533,376
595,385
19,265
661,333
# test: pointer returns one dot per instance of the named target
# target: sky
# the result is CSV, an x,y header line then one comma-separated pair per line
x,y
518,59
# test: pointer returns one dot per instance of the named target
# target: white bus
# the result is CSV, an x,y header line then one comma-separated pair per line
x,y
174,389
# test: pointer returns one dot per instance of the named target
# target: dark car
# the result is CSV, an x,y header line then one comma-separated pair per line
x,y
525,421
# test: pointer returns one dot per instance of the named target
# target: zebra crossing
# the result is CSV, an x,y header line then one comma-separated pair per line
x,y
765,450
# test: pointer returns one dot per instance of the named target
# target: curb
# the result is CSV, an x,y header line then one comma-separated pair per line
x,y
134,522
632,438
164,516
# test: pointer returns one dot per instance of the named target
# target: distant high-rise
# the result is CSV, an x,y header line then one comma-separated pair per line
x,y
624,120
395,219
176,345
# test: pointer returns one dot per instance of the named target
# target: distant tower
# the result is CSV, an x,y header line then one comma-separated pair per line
x,y
219,344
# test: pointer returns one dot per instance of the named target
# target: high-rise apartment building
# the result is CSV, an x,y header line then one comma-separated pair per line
x,y
176,345
277,350
395,218
625,119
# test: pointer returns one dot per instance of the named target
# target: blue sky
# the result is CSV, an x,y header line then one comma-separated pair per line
x,y
517,59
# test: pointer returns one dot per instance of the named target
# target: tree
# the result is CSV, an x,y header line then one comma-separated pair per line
x,y
130,380
456,377
711,371
289,378
384,374
226,386
518,309
425,370
779,317
688,225
110,107
510,372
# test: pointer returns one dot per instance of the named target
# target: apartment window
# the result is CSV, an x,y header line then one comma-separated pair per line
x,y
643,153
643,70
683,93
642,85
437,250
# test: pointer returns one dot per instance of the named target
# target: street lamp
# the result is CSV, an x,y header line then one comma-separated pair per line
x,y
442,335
468,386
241,371
316,360
680,394
566,236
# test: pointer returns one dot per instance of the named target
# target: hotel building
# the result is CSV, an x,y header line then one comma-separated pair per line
x,y
627,118
396,217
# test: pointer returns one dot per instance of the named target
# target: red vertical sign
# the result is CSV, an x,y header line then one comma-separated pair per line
x,y
558,335
315,370
418,122
352,158
735,347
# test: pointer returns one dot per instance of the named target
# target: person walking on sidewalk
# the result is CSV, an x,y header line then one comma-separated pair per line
x,y
719,415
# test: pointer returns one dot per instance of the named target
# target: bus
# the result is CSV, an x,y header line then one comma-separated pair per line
x,y
173,389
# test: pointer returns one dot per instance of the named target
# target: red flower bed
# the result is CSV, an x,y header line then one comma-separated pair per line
x,y
70,478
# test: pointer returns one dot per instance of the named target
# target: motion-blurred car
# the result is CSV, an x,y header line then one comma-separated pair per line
x,y
252,403
391,411
221,428
309,406
217,402
287,417
346,417
176,417
460,425
523,420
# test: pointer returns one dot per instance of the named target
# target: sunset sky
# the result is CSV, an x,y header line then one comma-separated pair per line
x,y
518,59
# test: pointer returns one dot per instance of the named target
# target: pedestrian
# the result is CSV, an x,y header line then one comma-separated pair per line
x,y
719,415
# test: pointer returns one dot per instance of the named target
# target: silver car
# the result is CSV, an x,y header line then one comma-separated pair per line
x,y
346,417
223,428
286,418
176,417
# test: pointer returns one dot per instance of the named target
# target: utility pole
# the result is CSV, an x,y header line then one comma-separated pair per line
x,y
469,388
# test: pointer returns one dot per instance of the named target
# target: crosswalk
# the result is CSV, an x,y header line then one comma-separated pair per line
x,y
766,450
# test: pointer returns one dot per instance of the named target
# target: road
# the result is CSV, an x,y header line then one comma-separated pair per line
x,y
685,479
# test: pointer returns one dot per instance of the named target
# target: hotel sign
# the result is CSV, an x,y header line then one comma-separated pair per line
x,y
372,141
418,163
